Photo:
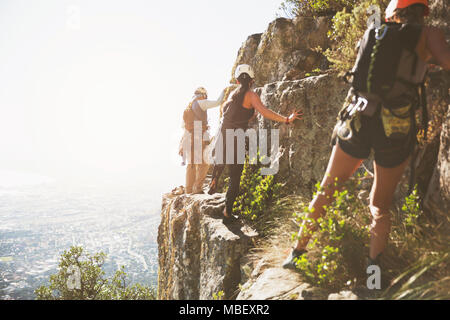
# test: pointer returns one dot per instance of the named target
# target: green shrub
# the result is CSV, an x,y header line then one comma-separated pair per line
x,y
416,262
80,277
314,7
412,209
348,26
257,192
337,248
218,296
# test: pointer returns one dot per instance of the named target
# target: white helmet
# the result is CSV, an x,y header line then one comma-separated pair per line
x,y
244,68
201,92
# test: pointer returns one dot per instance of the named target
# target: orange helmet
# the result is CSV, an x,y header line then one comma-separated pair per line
x,y
400,4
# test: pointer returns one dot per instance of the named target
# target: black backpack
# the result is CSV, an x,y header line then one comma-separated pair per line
x,y
387,67
388,71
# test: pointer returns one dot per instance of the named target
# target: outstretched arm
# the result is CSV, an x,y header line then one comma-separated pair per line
x,y
269,114
209,104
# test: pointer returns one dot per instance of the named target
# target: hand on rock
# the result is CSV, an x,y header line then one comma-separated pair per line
x,y
296,115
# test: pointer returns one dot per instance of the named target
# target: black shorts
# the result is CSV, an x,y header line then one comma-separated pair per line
x,y
389,153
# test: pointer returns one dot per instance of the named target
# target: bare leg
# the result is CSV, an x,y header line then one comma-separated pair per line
x,y
381,197
341,166
202,171
190,177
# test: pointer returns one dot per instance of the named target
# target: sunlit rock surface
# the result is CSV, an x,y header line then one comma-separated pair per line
x,y
286,50
198,255
305,146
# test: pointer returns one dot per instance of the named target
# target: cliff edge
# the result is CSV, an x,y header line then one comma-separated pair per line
x,y
198,255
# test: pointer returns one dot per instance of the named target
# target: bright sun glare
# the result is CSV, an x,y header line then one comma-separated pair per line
x,y
98,88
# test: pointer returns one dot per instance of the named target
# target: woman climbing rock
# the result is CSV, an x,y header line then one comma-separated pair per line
x,y
238,110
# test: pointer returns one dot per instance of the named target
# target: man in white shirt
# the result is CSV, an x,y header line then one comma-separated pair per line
x,y
196,172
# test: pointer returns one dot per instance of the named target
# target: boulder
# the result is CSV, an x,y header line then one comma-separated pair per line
x,y
286,50
305,146
280,284
198,255
438,197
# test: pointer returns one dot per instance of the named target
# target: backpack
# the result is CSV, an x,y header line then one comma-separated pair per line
x,y
388,73
387,66
189,117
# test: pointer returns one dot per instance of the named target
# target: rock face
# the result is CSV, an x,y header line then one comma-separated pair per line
x,y
198,255
286,50
439,13
305,146
438,199
279,284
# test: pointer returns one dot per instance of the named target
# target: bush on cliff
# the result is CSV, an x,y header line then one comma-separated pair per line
x,y
350,20
80,277
339,244
257,193
416,262
315,7
347,29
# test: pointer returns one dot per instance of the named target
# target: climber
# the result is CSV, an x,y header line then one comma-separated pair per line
x,y
239,109
366,123
195,115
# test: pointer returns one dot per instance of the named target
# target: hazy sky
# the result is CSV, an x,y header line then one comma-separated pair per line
x,y
97,87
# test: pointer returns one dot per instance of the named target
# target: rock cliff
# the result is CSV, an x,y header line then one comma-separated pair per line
x,y
305,146
198,255
286,50
438,197
438,193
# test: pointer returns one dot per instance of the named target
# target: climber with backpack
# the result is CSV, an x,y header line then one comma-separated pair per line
x,y
195,123
238,111
387,87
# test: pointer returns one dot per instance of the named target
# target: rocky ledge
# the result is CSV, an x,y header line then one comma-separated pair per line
x,y
198,255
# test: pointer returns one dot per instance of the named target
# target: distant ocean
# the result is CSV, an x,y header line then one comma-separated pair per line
x,y
40,218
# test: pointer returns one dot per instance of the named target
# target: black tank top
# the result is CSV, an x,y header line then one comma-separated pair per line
x,y
236,116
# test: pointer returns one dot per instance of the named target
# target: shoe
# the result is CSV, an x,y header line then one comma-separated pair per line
x,y
290,262
212,187
229,219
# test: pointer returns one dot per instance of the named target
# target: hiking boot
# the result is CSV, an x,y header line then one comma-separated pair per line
x,y
289,263
229,218
212,187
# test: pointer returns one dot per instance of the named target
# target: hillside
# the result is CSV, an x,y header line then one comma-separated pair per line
x,y
200,257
